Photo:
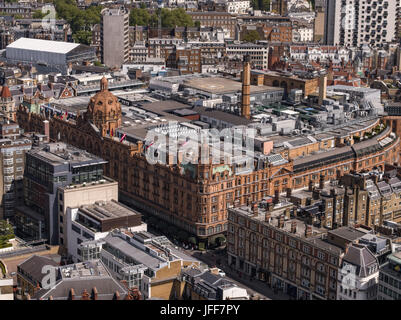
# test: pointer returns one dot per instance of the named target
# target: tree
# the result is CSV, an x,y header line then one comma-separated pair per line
x,y
170,18
6,229
81,21
251,36
197,24
260,5
139,17
83,36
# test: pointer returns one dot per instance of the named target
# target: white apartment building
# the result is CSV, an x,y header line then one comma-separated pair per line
x,y
359,275
238,6
358,22
96,221
323,53
259,54
303,34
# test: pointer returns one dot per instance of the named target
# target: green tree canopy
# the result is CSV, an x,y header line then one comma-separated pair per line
x,y
139,17
80,21
251,36
260,5
6,229
170,18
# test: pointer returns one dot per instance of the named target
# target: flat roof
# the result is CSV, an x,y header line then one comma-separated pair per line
x,y
106,210
218,85
43,45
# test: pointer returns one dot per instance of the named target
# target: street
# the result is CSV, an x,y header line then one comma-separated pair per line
x,y
253,286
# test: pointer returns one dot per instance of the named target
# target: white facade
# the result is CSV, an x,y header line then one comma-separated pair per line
x,y
234,292
357,22
39,51
303,34
78,233
323,53
259,54
359,288
238,7
6,286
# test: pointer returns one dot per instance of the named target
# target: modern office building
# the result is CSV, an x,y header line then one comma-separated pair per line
x,y
358,22
95,221
52,170
390,278
114,37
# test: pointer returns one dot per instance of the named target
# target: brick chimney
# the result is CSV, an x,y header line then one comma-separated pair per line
x,y
310,186
281,221
276,196
72,294
94,293
255,209
85,295
308,231
293,226
246,88
268,215
288,213
321,182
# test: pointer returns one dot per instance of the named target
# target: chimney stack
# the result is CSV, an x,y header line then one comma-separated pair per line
x,y
288,213
310,186
281,221
46,129
308,231
255,209
322,88
246,88
268,215
321,182
293,226
72,294
276,197
94,293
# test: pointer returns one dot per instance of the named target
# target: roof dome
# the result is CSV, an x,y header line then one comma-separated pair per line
x,y
104,110
104,103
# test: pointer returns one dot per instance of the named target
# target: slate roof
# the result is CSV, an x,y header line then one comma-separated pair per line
x,y
33,266
362,258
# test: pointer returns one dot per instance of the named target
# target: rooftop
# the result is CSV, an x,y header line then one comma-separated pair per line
x,y
105,210
218,85
59,153
43,45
